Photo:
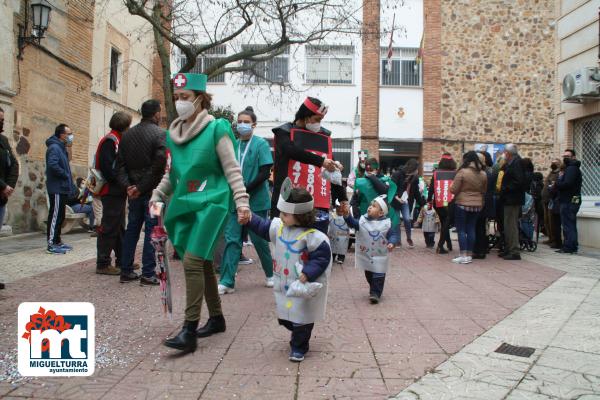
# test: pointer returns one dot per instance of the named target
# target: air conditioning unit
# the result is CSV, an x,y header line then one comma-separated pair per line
x,y
582,86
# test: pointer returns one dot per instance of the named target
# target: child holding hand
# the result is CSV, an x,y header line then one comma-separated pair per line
x,y
375,239
301,259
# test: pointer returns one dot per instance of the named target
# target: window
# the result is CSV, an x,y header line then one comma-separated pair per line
x,y
274,70
586,142
342,152
115,56
404,69
207,60
329,64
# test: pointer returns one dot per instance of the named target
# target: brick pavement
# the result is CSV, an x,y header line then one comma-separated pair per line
x,y
431,308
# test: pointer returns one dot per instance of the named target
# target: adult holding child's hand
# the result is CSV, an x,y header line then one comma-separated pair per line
x,y
203,175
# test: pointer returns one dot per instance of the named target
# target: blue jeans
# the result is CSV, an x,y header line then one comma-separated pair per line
x,y
568,218
139,215
404,215
86,209
2,213
465,226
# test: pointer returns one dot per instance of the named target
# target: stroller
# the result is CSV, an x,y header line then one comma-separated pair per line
x,y
528,229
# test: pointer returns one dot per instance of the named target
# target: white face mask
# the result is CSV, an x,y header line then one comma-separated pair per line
x,y
315,127
185,108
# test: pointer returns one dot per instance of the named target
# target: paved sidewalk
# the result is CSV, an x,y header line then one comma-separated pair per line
x,y
431,308
562,324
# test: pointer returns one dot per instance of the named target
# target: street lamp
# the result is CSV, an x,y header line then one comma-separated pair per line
x,y
40,17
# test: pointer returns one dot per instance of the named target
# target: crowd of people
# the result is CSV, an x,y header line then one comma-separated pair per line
x,y
213,182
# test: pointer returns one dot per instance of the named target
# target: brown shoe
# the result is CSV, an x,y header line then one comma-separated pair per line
x,y
110,270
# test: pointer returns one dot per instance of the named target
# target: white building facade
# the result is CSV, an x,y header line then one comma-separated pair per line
x,y
331,71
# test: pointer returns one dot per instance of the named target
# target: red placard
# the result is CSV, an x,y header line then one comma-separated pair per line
x,y
309,176
442,180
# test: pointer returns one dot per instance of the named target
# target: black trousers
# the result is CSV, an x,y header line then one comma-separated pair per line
x,y
481,237
300,335
429,239
556,228
376,282
56,217
111,230
444,215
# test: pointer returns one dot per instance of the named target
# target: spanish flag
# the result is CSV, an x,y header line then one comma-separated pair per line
x,y
419,58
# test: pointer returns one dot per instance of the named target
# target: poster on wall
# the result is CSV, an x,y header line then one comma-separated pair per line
x,y
494,149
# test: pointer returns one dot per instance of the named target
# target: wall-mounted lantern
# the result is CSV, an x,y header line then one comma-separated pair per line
x,y
40,17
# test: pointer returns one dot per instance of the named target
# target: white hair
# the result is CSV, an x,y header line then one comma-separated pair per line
x,y
512,149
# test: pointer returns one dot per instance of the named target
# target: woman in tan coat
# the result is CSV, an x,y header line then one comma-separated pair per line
x,y
469,188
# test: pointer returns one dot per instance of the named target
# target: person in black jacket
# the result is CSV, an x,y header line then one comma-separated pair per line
x,y
113,197
141,161
568,185
9,170
512,196
489,210
446,166
308,117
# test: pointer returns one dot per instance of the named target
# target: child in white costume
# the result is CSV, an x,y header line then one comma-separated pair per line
x,y
339,235
430,223
375,238
301,253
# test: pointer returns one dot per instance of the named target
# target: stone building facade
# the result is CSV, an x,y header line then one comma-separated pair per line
x,y
488,77
56,82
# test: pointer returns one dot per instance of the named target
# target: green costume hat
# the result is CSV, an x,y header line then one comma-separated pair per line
x,y
190,81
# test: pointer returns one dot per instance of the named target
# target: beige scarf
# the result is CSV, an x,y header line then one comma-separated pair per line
x,y
181,131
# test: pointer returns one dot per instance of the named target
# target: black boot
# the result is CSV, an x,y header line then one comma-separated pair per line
x,y
214,325
185,340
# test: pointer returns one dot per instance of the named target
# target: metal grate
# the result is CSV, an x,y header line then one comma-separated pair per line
x,y
586,141
511,350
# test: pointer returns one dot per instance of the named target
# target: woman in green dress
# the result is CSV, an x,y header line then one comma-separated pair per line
x,y
198,185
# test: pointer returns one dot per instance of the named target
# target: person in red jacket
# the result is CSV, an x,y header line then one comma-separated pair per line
x,y
113,197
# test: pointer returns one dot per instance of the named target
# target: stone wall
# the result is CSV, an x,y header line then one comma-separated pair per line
x,y
495,83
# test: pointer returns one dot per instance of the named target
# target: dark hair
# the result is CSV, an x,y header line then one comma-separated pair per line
x,y
472,157
249,111
301,195
60,129
411,166
527,164
150,107
303,112
447,164
120,121
572,152
488,159
78,181
538,176
205,99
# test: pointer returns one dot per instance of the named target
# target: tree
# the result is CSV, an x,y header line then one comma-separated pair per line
x,y
197,27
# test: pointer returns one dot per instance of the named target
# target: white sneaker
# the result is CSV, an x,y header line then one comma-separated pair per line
x,y
458,260
469,260
225,290
245,261
269,282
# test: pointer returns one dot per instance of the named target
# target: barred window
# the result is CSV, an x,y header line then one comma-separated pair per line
x,y
342,152
329,64
207,60
274,70
586,141
404,68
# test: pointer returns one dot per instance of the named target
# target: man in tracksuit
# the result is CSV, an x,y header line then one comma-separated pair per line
x,y
569,184
59,184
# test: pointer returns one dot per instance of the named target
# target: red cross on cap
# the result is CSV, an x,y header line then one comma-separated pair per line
x,y
180,81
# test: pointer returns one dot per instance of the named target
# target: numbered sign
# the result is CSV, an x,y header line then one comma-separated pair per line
x,y
309,176
442,182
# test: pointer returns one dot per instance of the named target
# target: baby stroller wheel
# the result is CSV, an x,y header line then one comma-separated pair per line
x,y
523,245
532,246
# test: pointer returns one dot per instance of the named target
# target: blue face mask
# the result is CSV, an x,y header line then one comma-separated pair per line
x,y
244,129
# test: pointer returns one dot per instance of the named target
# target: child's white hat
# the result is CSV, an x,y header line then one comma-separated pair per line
x,y
292,208
381,200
